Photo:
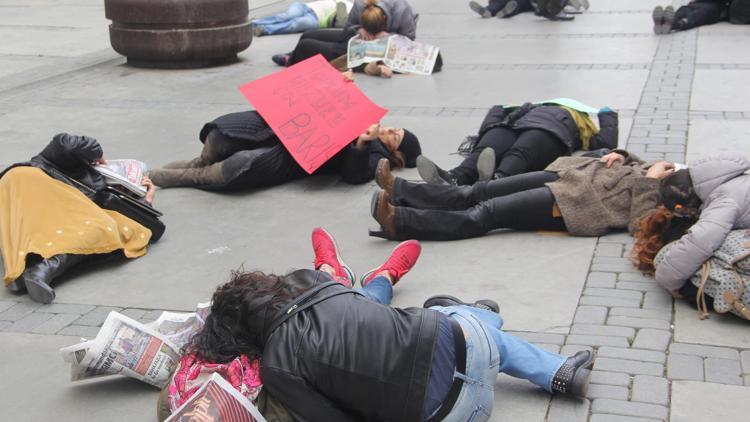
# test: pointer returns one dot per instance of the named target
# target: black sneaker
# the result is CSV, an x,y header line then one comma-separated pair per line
x,y
658,17
431,173
282,59
574,375
446,300
481,10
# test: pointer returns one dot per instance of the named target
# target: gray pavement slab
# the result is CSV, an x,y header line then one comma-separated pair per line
x,y
712,136
720,90
685,394
723,50
719,330
41,388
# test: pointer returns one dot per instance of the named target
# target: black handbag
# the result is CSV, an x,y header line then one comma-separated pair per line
x,y
111,199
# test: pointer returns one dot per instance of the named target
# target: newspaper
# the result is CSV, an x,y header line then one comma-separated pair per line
x,y
180,327
397,52
217,401
126,173
126,347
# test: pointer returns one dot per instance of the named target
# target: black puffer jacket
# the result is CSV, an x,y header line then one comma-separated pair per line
x,y
345,353
553,119
71,155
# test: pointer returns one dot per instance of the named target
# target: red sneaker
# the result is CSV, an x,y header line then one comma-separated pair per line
x,y
401,261
326,252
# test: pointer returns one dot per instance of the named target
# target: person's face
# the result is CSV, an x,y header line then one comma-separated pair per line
x,y
391,137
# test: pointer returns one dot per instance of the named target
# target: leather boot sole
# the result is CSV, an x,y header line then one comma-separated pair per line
x,y
39,291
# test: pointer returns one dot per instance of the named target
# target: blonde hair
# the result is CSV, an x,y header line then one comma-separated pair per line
x,y
373,17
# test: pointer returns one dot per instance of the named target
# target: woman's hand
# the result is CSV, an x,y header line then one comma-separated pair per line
x,y
611,158
660,170
369,135
348,75
381,34
151,189
99,161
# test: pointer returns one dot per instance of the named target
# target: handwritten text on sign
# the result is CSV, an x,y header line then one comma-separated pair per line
x,y
312,110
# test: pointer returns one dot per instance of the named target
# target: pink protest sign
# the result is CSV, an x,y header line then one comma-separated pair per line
x,y
312,109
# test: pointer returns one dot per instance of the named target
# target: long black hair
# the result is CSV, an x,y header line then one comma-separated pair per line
x,y
240,311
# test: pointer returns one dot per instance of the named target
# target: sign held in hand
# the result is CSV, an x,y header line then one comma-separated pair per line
x,y
312,109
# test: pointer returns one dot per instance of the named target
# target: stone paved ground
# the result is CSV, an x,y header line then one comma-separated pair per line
x,y
680,96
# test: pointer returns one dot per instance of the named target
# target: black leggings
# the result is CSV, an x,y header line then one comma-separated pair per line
x,y
495,6
331,43
699,13
444,212
516,152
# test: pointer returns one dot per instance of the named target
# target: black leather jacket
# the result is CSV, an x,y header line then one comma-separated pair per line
x,y
348,358
553,119
71,155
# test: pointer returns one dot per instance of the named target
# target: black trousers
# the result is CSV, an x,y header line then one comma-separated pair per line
x,y
699,13
495,6
516,152
247,164
444,212
331,43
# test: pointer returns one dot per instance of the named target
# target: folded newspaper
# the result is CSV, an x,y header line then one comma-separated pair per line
x,y
217,401
397,52
123,346
126,173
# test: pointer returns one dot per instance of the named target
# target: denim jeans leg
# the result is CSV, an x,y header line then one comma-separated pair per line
x,y
379,289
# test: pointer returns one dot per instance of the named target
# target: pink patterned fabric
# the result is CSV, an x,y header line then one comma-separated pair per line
x,y
243,373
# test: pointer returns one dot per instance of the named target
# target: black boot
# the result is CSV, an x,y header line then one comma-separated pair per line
x,y
447,300
573,376
38,277
431,173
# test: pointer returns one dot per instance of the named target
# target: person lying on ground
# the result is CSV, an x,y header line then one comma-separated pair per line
x,y
501,8
522,139
584,196
240,151
301,17
692,15
50,222
371,19
700,206
330,353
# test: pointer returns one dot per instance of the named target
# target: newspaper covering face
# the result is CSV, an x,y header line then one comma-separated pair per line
x,y
217,401
396,51
147,352
125,173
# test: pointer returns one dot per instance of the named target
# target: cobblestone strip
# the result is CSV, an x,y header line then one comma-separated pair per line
x,y
720,115
548,66
452,36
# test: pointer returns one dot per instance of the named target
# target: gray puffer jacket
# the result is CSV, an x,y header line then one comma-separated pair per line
x,y
400,17
723,187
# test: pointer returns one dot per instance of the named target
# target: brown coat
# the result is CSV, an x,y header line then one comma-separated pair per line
x,y
594,199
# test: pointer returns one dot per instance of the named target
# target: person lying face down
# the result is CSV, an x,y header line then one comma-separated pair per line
x,y
332,353
240,151
585,196
700,205
50,221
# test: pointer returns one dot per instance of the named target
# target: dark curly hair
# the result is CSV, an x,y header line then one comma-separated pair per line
x,y
679,210
240,311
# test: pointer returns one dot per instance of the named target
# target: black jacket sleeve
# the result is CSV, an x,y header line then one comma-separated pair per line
x,y
608,131
360,164
72,151
493,118
300,399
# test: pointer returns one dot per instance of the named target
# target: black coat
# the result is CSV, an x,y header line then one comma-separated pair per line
x,y
347,358
553,119
355,166
71,155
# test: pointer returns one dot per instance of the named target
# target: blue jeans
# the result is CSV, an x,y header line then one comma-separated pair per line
x,y
379,289
489,351
297,18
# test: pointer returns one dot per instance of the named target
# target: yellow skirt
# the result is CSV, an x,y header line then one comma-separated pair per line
x,y
43,216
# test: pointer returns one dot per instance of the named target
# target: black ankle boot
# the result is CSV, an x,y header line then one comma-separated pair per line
x,y
38,277
431,173
447,300
573,376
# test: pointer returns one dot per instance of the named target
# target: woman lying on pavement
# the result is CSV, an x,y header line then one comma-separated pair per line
x,y
700,206
49,221
330,353
585,196
301,17
517,140
370,19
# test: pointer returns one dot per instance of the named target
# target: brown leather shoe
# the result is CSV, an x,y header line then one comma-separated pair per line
x,y
384,177
385,214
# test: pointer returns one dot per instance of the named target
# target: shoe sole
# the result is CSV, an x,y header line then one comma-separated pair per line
x,y
668,20
341,262
509,9
368,273
428,171
481,11
341,15
39,292
657,15
485,162
492,305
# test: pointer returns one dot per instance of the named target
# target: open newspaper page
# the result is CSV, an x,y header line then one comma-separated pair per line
x,y
126,173
407,56
126,347
180,327
217,401
360,51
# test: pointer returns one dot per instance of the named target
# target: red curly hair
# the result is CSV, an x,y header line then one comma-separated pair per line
x,y
650,238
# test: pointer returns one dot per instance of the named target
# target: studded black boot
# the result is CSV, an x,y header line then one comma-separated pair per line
x,y
573,376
